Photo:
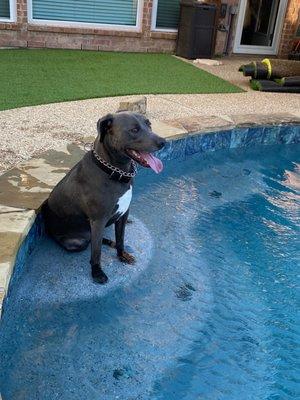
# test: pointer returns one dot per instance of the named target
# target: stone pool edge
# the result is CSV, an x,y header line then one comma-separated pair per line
x,y
24,188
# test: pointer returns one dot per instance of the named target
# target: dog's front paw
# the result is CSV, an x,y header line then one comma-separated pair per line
x,y
126,257
99,276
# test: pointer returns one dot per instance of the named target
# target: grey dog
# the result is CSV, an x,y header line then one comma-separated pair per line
x,y
97,191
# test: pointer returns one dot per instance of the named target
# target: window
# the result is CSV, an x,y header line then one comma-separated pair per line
x,y
97,12
4,9
7,10
165,15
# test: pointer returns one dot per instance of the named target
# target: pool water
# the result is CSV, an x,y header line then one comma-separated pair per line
x,y
209,311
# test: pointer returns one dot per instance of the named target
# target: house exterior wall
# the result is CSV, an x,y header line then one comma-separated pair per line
x,y
24,34
290,25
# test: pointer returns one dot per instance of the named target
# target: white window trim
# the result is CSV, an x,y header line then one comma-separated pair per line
x,y
12,12
265,50
70,24
153,20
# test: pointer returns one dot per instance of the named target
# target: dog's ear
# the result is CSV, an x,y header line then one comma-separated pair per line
x,y
103,125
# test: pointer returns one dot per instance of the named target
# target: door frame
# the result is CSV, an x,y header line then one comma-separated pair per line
x,y
248,49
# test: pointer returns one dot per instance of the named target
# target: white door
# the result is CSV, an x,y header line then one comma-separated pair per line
x,y
259,26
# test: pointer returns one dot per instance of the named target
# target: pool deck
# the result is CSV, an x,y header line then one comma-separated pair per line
x,y
40,144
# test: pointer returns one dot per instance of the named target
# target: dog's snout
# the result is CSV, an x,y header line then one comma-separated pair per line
x,y
161,143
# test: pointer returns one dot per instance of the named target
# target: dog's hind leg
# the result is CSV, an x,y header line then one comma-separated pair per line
x,y
71,234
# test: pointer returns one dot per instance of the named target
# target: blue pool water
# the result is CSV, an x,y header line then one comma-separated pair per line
x,y
209,311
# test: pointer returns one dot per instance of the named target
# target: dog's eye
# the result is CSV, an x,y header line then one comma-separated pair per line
x,y
134,130
148,122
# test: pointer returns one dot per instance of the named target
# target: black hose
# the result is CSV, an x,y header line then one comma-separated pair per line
x,y
289,81
271,86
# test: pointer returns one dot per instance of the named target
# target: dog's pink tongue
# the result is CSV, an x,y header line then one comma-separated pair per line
x,y
153,162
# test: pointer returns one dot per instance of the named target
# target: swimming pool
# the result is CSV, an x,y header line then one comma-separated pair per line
x,y
208,312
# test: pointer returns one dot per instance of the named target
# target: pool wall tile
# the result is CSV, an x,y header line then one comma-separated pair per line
x,y
231,138
288,134
254,136
194,144
174,150
270,135
238,137
297,134
178,149
35,233
222,139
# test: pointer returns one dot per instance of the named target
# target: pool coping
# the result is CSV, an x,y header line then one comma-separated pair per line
x,y
24,188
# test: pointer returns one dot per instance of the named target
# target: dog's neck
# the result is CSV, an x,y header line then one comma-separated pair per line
x,y
112,156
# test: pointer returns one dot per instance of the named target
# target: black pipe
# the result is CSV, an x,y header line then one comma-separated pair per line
x,y
289,81
271,86
255,69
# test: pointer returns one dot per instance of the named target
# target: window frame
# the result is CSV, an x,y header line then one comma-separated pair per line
x,y
12,12
238,48
75,24
154,18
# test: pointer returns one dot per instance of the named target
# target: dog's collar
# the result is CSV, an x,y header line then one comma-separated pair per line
x,y
114,173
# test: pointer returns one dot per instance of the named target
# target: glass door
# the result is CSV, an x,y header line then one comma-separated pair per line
x,y
259,26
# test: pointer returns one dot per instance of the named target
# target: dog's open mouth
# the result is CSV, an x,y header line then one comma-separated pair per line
x,y
146,160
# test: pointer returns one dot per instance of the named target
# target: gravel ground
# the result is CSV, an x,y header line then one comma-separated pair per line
x,y
229,70
30,130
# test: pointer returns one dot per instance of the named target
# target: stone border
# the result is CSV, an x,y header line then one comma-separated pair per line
x,y
24,188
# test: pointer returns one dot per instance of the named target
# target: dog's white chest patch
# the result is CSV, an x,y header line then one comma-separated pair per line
x,y
124,202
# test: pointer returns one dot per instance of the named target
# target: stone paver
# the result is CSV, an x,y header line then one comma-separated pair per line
x,y
195,124
14,226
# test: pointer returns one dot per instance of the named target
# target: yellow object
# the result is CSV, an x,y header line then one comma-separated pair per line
x,y
267,62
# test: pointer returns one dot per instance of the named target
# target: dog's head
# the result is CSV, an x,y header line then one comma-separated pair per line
x,y
130,136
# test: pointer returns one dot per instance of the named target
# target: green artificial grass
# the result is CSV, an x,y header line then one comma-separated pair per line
x,y
31,77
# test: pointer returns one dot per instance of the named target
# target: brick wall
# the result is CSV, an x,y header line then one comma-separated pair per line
x,y
289,28
290,24
22,34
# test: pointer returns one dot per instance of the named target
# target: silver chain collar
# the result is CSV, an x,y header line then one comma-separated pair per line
x,y
112,167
